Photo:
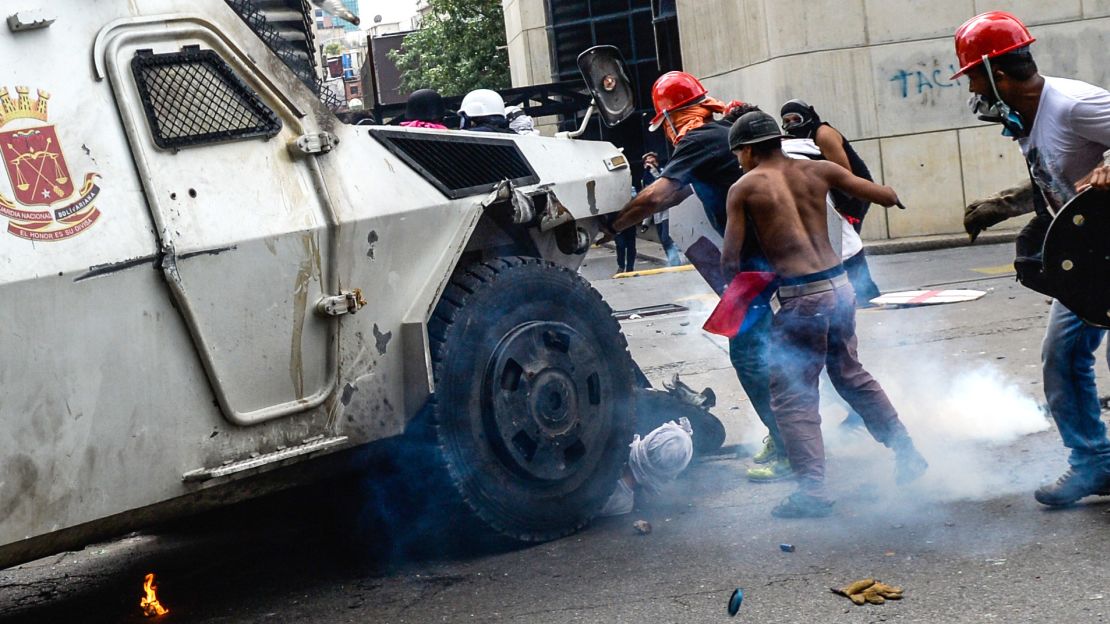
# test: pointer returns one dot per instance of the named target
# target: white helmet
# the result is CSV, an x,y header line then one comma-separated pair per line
x,y
482,103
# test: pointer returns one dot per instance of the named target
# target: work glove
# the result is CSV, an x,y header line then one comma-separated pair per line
x,y
994,209
869,591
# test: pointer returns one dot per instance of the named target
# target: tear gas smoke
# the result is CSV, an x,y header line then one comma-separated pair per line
x,y
959,415
956,416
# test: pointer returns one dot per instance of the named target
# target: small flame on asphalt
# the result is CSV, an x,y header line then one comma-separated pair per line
x,y
149,602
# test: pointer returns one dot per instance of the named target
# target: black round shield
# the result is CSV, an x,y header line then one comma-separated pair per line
x,y
1077,256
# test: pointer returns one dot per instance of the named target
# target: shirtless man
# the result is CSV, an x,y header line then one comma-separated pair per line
x,y
814,324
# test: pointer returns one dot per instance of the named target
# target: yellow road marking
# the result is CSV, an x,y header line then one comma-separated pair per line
x,y
996,270
674,269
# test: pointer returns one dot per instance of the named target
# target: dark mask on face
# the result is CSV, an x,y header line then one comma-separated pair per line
x,y
799,120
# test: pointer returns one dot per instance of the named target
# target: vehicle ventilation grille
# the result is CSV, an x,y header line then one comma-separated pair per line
x,y
275,23
193,97
460,165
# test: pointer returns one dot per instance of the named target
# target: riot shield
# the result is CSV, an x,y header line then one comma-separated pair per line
x,y
1077,256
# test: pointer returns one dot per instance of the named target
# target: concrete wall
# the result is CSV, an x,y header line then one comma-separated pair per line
x,y
529,45
878,70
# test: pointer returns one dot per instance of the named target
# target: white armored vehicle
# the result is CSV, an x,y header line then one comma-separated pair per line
x,y
206,278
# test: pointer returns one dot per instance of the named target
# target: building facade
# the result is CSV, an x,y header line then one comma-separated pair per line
x,y
878,70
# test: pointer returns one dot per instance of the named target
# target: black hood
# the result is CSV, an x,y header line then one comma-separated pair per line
x,y
810,119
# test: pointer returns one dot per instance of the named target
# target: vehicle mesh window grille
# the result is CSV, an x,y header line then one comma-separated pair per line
x,y
297,55
460,166
193,97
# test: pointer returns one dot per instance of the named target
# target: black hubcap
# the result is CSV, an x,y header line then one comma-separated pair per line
x,y
544,391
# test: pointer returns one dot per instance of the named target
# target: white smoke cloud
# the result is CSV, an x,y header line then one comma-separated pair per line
x,y
956,418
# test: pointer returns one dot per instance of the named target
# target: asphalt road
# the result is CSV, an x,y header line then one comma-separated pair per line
x,y
967,542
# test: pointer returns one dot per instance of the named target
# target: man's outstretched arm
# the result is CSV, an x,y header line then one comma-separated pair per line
x,y
734,231
843,179
658,196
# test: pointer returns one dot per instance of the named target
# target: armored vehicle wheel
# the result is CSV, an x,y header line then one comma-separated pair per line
x,y
533,408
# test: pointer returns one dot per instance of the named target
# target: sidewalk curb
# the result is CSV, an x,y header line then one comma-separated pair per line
x,y
930,243
902,245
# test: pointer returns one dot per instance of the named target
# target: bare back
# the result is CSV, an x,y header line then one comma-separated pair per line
x,y
785,199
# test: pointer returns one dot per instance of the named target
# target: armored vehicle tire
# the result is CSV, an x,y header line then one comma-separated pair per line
x,y
533,408
654,407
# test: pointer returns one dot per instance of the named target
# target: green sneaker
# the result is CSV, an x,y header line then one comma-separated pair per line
x,y
777,470
768,454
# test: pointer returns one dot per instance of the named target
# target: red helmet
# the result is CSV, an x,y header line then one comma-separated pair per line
x,y
672,91
990,34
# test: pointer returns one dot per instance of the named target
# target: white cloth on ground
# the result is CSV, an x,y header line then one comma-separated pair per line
x,y
661,455
655,460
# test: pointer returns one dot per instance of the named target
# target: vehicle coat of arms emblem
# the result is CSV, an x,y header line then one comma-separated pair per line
x,y
45,206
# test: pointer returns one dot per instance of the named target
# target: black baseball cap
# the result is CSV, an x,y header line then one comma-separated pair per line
x,y
753,127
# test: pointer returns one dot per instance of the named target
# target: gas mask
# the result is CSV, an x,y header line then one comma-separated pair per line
x,y
993,110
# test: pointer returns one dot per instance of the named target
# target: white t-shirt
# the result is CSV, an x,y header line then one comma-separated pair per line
x,y
1069,136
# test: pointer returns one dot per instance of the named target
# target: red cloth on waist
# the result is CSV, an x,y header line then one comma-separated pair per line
x,y
728,316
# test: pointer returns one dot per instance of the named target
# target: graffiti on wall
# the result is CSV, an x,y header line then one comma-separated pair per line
x,y
925,78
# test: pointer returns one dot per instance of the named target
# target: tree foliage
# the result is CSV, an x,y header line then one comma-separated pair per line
x,y
459,47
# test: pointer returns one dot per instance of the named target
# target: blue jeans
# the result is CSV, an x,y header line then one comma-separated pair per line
x,y
663,229
1068,363
749,352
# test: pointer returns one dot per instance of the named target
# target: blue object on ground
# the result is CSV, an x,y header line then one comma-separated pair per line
x,y
786,547
734,601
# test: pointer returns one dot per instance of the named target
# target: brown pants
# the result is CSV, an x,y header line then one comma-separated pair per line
x,y
809,333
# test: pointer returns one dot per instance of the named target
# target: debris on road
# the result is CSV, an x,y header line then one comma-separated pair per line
x,y
734,601
642,526
787,548
869,590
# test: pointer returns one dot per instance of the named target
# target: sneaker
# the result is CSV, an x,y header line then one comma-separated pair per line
x,y
909,465
802,505
769,452
1071,487
777,470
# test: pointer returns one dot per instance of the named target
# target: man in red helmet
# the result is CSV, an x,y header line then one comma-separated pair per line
x,y
1063,128
702,163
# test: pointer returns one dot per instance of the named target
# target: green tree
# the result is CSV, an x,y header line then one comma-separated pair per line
x,y
459,47
333,48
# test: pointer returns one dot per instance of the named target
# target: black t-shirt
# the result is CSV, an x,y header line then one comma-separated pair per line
x,y
703,160
847,204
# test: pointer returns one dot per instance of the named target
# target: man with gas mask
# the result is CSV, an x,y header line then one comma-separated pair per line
x,y
1063,129
801,121
702,163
